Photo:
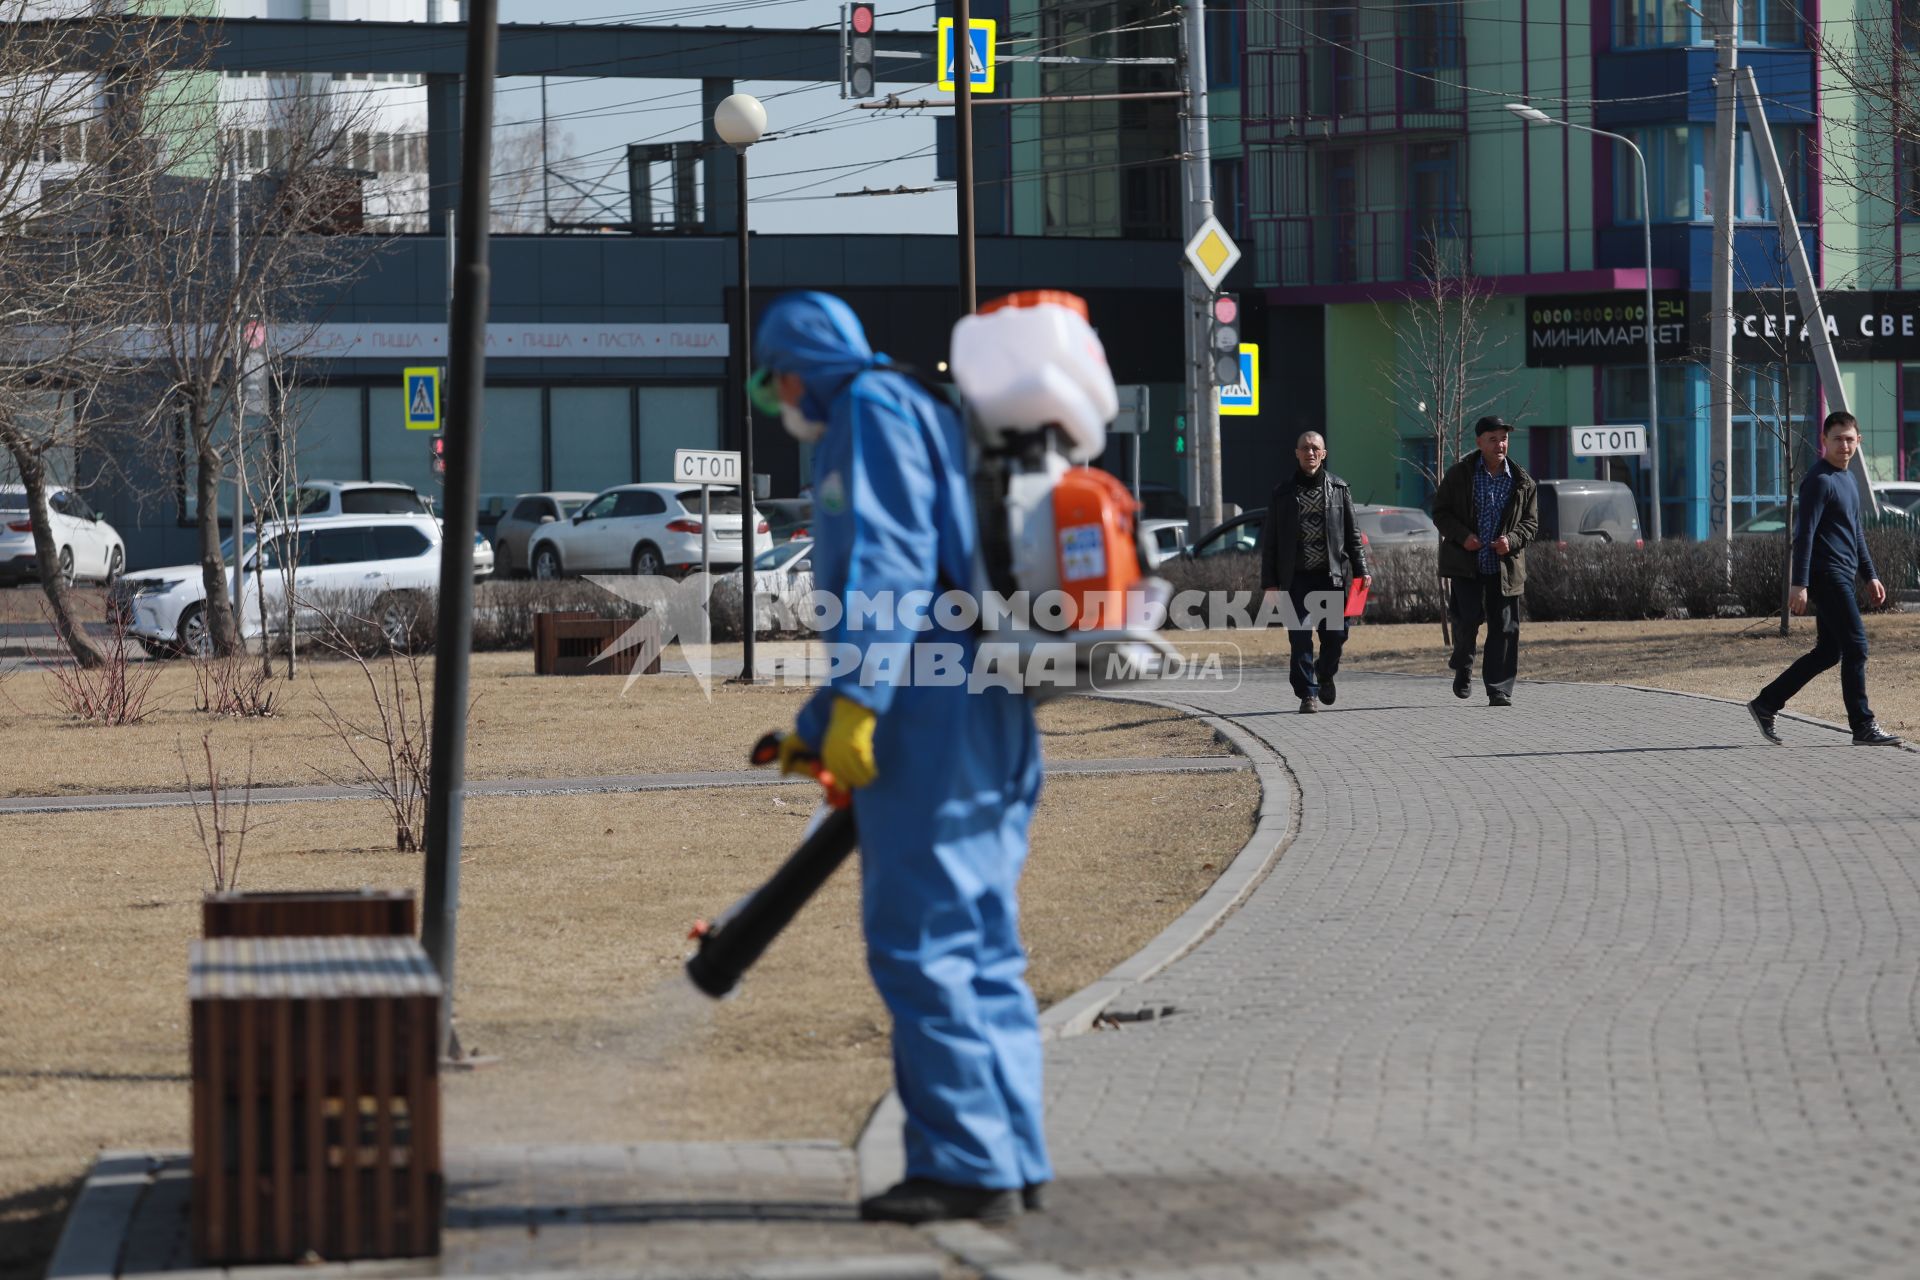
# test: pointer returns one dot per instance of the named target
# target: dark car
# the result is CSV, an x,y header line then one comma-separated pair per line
x,y
1382,529
1592,511
1162,502
528,512
787,518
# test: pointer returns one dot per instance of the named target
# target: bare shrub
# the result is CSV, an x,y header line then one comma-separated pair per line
x,y
1592,582
503,611
118,691
232,685
215,839
392,746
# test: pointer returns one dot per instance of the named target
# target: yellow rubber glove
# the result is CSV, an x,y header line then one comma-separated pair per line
x,y
848,753
796,755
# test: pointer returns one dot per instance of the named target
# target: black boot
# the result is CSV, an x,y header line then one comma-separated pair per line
x,y
927,1200
1463,683
1033,1197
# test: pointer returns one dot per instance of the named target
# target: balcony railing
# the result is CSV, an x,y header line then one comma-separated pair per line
x,y
1375,85
1368,247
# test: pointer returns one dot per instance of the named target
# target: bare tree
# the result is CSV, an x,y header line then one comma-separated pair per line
x,y
1450,369
236,260
530,184
1873,64
75,103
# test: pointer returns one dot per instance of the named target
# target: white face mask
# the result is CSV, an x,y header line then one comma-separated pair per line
x,y
799,425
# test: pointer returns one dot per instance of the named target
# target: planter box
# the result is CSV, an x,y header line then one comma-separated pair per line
x,y
570,643
316,1099
365,912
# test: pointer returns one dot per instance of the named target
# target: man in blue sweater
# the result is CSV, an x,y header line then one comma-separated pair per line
x,y
1829,552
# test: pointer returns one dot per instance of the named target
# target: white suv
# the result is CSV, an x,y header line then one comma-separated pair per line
x,y
383,563
89,547
643,529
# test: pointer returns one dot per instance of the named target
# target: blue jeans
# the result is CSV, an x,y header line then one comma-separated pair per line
x,y
1840,637
1306,672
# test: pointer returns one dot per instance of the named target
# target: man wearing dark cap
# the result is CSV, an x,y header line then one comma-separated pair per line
x,y
1487,511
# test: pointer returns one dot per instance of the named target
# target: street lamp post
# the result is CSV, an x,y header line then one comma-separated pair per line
x,y
741,121
1533,115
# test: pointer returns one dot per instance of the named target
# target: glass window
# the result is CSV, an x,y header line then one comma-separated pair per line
x,y
638,502
531,509
675,418
510,446
1680,177
398,542
600,507
398,455
380,502
592,436
1762,434
721,502
340,546
326,433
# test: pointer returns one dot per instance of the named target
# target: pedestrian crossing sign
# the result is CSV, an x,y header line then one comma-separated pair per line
x,y
981,62
423,399
1242,399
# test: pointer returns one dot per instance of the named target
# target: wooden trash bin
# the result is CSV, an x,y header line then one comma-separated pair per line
x,y
568,643
302,914
316,1099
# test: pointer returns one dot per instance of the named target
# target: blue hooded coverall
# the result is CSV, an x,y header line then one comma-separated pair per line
x,y
943,826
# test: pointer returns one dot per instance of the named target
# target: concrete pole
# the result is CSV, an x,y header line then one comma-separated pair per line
x,y
1720,365
1203,408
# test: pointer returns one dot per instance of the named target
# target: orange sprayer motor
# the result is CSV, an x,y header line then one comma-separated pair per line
x,y
1094,520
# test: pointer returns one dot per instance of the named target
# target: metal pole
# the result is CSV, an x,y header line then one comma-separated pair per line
x,y
963,149
1720,365
706,518
1786,459
746,435
1653,364
467,358
237,405
546,169
1197,162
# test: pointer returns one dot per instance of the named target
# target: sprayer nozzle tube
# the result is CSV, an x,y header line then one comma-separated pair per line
x,y
729,948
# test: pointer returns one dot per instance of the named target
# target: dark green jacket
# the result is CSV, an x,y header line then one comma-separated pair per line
x,y
1453,513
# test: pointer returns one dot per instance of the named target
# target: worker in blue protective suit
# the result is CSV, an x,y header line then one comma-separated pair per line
x,y
944,778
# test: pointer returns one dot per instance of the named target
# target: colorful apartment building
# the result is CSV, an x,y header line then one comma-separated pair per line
x,y
1377,143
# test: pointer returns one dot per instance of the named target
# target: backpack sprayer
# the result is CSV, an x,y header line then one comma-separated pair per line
x,y
1039,396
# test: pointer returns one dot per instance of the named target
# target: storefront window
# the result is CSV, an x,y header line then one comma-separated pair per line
x,y
510,446
1770,439
675,418
326,433
1623,394
592,431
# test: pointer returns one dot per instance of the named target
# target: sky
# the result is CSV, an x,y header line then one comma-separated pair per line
x,y
792,181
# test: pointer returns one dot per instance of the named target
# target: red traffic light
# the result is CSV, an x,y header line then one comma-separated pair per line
x,y
439,455
862,19
1226,308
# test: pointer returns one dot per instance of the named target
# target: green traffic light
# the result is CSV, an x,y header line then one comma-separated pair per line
x,y
1180,444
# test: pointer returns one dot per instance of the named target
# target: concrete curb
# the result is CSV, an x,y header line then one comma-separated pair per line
x,y
95,1231
878,1149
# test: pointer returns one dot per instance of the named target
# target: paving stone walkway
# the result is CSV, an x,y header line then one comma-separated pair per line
x,y
1599,985
1595,986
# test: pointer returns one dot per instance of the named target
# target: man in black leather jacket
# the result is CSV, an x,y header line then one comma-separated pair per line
x,y
1308,544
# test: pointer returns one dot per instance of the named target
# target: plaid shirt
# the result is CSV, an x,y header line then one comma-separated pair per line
x,y
1490,494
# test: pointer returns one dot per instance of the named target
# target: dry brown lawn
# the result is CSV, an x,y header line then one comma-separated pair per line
x,y
1728,659
520,726
573,921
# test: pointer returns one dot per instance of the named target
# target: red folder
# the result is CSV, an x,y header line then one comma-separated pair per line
x,y
1356,597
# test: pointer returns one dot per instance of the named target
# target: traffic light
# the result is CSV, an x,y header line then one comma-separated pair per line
x,y
860,51
439,453
1223,339
1179,433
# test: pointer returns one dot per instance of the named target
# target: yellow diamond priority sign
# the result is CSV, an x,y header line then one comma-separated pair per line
x,y
1212,252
